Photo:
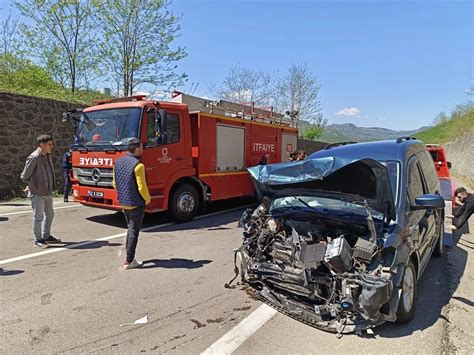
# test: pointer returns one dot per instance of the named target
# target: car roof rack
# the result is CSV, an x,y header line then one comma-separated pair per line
x,y
338,144
405,139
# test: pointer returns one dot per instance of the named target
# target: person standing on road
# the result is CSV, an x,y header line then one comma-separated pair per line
x,y
38,173
67,166
462,214
130,182
264,159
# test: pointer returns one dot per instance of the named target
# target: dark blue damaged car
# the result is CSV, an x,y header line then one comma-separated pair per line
x,y
340,240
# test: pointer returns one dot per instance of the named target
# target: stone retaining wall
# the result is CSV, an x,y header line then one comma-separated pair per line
x,y
22,119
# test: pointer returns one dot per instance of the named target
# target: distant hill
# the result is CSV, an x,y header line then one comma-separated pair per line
x,y
351,132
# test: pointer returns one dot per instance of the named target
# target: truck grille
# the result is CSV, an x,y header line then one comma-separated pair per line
x,y
94,176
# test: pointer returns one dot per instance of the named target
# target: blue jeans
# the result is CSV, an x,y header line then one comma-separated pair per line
x,y
42,210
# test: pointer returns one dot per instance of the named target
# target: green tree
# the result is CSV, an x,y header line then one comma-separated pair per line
x,y
22,76
60,37
137,43
312,132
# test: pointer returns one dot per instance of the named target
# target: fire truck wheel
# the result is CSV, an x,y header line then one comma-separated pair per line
x,y
184,203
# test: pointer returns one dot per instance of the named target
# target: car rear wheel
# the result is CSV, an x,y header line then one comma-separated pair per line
x,y
407,303
439,248
184,203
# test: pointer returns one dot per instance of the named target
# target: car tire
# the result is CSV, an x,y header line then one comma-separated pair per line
x,y
439,247
407,302
184,203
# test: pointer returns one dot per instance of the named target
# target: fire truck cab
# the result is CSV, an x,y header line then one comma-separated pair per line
x,y
195,150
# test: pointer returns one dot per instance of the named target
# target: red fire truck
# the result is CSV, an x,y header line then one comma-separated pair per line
x,y
442,166
196,150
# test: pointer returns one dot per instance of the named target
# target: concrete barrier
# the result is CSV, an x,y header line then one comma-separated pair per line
x,y
461,154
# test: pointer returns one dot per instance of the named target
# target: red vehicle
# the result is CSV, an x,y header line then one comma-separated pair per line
x,y
196,150
442,170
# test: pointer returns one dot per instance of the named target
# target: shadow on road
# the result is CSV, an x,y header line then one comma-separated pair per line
x,y
464,300
90,245
4,272
3,219
15,204
156,219
111,219
211,223
435,289
174,263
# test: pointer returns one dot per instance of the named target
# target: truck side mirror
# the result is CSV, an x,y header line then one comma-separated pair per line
x,y
449,165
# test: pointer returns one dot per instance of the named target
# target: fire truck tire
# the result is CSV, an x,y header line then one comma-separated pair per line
x,y
184,203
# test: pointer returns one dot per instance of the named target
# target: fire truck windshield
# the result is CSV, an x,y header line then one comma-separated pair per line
x,y
99,129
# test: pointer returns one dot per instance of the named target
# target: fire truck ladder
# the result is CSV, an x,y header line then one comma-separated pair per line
x,y
244,110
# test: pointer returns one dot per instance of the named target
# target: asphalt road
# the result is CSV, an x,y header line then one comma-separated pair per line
x,y
78,298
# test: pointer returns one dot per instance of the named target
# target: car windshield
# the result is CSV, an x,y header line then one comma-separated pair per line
x,y
320,204
109,127
393,168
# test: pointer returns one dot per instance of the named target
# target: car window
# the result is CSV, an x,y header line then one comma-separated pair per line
x,y
428,169
415,182
172,128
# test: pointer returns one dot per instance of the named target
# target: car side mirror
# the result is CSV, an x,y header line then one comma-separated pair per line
x,y
449,165
428,201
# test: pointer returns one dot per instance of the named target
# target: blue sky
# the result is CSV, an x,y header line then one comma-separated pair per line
x,y
393,64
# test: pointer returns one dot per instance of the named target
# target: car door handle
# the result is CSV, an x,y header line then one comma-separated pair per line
x,y
179,158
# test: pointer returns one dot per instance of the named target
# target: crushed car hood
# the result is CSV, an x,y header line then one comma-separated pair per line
x,y
354,180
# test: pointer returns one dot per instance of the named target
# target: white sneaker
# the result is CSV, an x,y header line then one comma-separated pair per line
x,y
135,264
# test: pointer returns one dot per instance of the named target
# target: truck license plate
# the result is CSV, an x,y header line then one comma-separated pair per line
x,y
96,194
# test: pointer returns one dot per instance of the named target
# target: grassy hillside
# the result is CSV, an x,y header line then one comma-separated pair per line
x,y
19,76
448,131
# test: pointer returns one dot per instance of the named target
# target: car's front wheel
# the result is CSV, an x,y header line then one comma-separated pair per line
x,y
407,303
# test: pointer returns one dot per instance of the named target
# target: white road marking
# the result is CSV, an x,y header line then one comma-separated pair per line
x,y
87,242
29,211
242,331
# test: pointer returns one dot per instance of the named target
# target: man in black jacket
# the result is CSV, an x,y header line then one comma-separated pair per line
x,y
461,215
67,166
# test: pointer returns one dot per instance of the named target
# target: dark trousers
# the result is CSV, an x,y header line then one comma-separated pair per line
x,y
67,183
134,220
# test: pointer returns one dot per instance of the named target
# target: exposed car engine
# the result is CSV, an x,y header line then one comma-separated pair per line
x,y
324,271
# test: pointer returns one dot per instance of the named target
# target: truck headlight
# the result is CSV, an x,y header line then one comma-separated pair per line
x,y
74,174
